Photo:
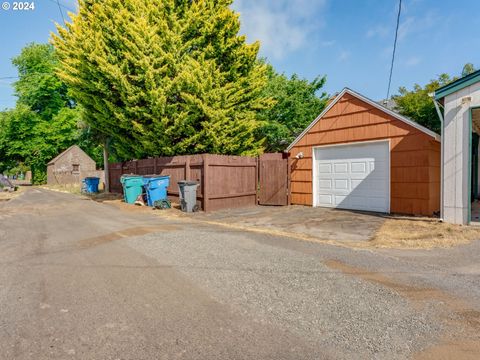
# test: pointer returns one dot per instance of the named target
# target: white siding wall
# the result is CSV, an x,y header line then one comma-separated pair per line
x,y
456,199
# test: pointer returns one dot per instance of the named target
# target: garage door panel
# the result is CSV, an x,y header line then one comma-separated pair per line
x,y
356,183
340,168
325,184
341,184
324,168
377,185
359,167
339,199
357,201
379,168
353,176
377,202
325,199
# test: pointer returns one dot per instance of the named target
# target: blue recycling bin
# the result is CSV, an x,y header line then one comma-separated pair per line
x,y
90,185
156,188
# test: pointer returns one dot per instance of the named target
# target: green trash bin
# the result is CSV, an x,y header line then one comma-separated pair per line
x,y
132,187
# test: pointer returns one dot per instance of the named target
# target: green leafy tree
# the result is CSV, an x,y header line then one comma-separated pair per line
x,y
30,140
38,86
44,121
297,104
5,161
91,142
164,77
468,69
418,105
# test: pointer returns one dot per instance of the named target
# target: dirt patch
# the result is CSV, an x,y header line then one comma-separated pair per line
x,y
6,195
119,204
334,227
454,312
103,197
411,292
69,188
130,232
76,189
422,234
457,350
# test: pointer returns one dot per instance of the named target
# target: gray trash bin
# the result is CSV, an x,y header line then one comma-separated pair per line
x,y
188,195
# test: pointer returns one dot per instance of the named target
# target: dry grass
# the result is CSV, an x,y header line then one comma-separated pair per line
x,y
76,190
422,233
5,195
105,197
70,188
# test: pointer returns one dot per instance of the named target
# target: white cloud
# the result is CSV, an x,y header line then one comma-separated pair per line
x,y
413,61
405,27
377,31
327,43
344,55
418,25
282,26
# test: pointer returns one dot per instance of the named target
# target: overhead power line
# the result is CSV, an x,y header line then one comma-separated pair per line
x,y
394,49
61,12
63,6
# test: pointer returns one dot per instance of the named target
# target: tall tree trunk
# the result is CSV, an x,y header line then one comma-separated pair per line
x,y
105,166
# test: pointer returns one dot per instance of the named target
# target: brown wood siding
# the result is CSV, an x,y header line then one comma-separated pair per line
x,y
414,157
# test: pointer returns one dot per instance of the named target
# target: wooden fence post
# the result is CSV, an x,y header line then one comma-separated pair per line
x,y
187,168
257,177
289,181
205,183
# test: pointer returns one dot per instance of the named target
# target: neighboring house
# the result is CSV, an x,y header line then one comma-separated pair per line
x,y
460,132
71,166
390,104
358,154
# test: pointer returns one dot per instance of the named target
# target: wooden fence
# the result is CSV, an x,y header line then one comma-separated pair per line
x,y
225,181
274,179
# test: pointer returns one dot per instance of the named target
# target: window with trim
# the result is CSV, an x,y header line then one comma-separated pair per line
x,y
75,168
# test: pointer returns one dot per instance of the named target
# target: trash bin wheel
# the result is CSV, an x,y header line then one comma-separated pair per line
x,y
196,208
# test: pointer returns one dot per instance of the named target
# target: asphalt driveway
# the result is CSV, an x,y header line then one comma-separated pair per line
x,y
317,223
84,280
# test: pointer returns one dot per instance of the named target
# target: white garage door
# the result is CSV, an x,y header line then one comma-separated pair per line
x,y
353,177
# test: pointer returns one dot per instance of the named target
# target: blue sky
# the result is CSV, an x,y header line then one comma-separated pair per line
x,y
350,41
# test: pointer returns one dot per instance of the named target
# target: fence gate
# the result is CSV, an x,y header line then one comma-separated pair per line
x,y
273,176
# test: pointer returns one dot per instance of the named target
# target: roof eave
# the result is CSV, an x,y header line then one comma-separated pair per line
x,y
370,102
327,108
457,85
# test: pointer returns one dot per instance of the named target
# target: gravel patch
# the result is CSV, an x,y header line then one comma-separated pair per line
x,y
295,290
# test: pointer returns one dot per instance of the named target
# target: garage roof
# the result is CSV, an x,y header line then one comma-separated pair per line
x,y
55,159
370,102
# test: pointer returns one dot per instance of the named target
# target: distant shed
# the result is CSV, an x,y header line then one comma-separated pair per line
x,y
360,155
71,166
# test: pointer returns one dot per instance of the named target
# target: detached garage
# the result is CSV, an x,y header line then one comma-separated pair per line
x,y
360,155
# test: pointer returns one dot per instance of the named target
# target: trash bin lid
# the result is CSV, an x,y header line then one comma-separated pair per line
x,y
151,178
186,182
128,178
